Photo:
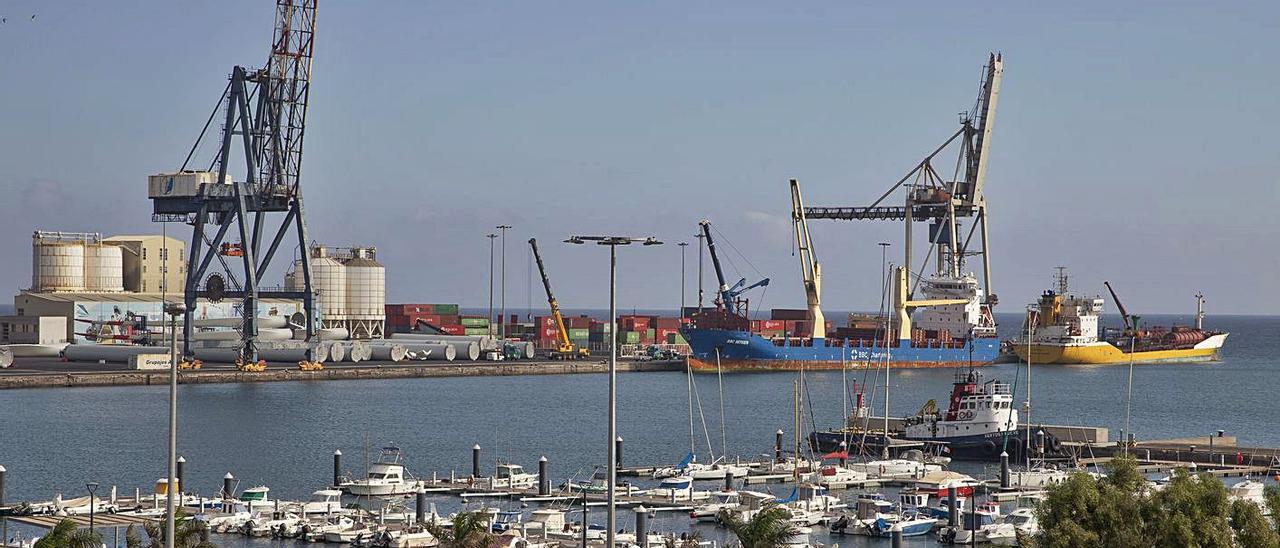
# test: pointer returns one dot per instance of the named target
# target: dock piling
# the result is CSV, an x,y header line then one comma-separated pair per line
x,y
642,526
228,486
951,506
777,446
544,481
1004,470
844,452
4,519
475,461
420,512
728,480
896,538
337,466
617,451
181,476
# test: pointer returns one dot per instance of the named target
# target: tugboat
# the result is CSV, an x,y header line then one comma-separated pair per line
x,y
979,423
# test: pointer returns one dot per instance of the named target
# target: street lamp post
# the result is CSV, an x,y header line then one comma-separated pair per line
x,y
682,246
611,457
491,237
92,487
174,310
502,320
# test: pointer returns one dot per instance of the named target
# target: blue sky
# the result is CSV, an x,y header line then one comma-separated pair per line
x,y
1134,143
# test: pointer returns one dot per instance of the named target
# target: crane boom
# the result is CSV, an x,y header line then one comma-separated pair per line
x,y
723,299
810,269
1124,314
566,346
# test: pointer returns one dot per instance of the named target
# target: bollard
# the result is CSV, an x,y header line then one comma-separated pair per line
x,y
896,541
544,481
337,467
617,451
728,480
777,446
584,521
844,453
951,506
642,526
475,461
420,513
4,519
181,475
1004,470
228,486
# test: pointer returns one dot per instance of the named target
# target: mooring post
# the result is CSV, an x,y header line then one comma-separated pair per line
x,y
642,526
544,481
420,513
228,486
337,466
951,506
617,451
896,539
1004,470
844,452
4,518
728,479
475,461
777,446
181,477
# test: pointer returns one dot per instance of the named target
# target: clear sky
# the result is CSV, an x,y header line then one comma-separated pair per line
x,y
1135,142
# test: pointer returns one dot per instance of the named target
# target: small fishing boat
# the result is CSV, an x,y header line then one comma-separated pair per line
x,y
513,476
324,501
385,478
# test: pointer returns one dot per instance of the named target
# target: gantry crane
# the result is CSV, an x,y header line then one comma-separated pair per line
x,y
727,295
567,350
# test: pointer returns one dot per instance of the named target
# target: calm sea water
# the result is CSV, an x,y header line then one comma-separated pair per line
x,y
283,434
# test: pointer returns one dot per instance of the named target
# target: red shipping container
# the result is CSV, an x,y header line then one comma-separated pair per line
x,y
453,329
662,334
771,325
667,323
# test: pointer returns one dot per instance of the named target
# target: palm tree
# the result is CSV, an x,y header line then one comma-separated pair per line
x,y
468,530
66,535
771,527
187,533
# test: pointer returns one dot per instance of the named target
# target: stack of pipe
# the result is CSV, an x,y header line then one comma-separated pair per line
x,y
264,334
388,352
360,349
265,322
229,355
467,347
336,350
326,334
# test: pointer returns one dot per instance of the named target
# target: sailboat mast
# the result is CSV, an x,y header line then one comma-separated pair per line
x,y
885,452
795,469
1030,334
692,438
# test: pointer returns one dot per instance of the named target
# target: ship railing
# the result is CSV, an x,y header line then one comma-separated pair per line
x,y
994,387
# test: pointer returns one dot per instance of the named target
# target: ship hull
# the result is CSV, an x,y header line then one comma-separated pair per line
x,y
1101,353
978,447
744,351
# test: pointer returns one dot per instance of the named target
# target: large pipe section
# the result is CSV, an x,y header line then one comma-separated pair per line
x,y
467,347
359,351
35,350
264,322
388,352
337,351
264,334
230,355
108,353
326,334
6,357
427,351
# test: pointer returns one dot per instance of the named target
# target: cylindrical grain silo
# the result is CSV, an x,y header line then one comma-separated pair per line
x,y
57,264
366,293
103,268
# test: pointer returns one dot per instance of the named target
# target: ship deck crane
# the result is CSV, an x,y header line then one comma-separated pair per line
x,y
726,295
566,349
810,269
1130,322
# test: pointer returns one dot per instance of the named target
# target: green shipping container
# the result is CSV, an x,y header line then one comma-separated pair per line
x,y
445,309
649,334
475,331
579,334
675,338
475,322
630,337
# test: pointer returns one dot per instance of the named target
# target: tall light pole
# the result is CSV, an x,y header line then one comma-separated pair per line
x,y
613,242
174,310
491,237
682,246
700,236
92,487
502,320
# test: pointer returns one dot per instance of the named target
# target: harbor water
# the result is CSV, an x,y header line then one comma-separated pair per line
x,y
283,434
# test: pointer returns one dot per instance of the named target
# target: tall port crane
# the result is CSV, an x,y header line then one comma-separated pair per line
x,y
810,269
931,197
727,296
567,349
266,110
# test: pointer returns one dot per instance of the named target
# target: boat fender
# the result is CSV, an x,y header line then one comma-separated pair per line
x,y
111,509
989,447
1055,445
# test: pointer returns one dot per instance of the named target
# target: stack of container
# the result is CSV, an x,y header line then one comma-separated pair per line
x,y
474,325
402,318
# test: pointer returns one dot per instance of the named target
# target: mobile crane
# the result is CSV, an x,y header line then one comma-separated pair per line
x,y
567,350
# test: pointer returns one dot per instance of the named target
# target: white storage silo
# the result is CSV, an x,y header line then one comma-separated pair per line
x,y
57,265
328,280
103,268
366,294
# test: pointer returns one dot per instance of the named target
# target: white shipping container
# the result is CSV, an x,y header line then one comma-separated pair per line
x,y
179,184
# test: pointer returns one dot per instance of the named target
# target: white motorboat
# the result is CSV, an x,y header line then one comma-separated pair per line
x,y
513,476
315,532
839,477
1036,477
324,501
230,522
387,477
723,501
678,488
359,531
717,471
893,468
264,525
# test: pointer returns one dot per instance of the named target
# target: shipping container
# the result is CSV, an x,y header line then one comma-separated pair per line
x,y
667,323
475,322
789,314
629,337
475,331
453,329
578,334
444,309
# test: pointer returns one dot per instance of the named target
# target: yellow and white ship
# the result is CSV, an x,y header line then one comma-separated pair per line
x,y
1064,329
